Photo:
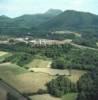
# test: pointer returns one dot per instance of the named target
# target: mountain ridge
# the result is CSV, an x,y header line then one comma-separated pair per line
x,y
61,20
71,18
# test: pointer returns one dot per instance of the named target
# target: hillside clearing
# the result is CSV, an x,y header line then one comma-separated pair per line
x,y
76,74
39,63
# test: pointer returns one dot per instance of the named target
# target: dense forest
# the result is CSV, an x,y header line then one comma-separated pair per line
x,y
88,86
60,86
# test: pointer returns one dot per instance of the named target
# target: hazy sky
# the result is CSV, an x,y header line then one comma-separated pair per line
x,y
15,8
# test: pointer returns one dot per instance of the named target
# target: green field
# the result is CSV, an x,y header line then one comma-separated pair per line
x,y
70,96
39,63
9,68
44,97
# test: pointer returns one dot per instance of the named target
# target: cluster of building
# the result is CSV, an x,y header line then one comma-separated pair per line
x,y
49,42
35,41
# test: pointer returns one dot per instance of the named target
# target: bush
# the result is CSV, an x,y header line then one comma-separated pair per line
x,y
58,63
60,86
41,91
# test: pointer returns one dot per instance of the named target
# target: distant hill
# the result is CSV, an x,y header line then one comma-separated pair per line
x,y
53,19
53,12
4,20
71,20
25,23
30,20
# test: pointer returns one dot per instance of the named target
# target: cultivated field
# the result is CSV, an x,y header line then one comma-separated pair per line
x,y
22,79
32,82
39,63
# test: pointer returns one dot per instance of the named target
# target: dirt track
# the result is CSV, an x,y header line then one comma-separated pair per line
x,y
50,71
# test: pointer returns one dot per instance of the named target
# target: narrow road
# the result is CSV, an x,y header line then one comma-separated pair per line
x,y
83,47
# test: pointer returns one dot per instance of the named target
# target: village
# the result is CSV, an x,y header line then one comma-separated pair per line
x,y
35,41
